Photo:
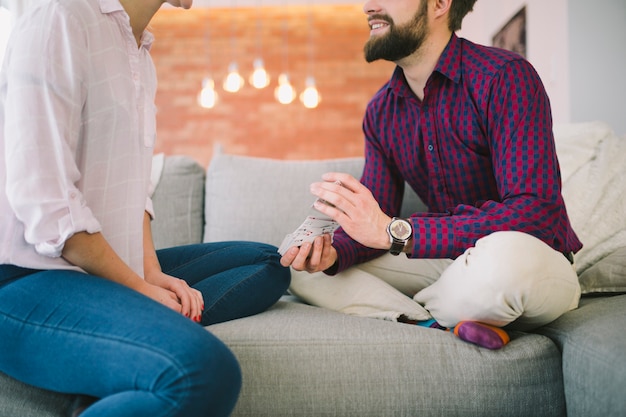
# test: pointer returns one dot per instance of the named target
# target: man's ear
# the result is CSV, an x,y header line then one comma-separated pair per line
x,y
441,7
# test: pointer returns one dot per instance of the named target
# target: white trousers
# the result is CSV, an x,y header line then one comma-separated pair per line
x,y
507,279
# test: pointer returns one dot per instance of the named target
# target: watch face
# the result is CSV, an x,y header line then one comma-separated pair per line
x,y
400,229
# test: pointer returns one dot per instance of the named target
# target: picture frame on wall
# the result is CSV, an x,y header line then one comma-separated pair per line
x,y
512,36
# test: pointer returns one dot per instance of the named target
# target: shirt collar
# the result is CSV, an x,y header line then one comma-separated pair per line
x,y
112,6
449,65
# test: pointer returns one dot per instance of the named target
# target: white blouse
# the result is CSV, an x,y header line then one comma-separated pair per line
x,y
77,130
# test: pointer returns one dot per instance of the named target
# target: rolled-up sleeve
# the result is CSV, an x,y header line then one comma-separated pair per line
x,y
45,89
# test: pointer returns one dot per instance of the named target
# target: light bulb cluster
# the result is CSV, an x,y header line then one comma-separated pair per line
x,y
285,93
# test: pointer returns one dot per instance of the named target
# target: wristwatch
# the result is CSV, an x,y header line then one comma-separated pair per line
x,y
399,231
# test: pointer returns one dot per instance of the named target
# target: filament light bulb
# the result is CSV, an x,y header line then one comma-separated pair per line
x,y
284,93
310,97
233,81
207,97
259,78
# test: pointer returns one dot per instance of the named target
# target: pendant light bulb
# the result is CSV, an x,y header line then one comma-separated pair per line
x,y
310,97
284,93
207,97
259,78
233,81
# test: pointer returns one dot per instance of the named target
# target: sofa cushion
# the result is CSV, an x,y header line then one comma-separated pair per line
x,y
263,199
21,400
593,174
607,275
178,201
307,361
593,344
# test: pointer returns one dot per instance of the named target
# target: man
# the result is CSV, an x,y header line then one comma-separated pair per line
x,y
469,129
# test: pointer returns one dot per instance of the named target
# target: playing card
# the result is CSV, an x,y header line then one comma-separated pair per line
x,y
314,225
310,228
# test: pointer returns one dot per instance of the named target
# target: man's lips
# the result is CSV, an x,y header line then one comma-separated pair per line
x,y
377,25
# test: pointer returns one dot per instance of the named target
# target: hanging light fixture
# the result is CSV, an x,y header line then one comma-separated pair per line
x,y
207,97
259,77
285,93
233,81
310,97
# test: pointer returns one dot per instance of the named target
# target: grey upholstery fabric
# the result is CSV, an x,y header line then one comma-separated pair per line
x,y
276,191
606,276
179,203
21,400
299,360
593,344
261,199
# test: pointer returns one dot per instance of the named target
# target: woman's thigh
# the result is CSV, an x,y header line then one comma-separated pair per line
x,y
237,279
75,333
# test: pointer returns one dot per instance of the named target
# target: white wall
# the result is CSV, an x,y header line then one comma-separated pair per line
x,y
597,36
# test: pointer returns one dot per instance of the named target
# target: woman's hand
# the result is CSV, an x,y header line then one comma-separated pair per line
x,y
160,295
189,301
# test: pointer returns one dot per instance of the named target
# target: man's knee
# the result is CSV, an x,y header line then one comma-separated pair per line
x,y
506,277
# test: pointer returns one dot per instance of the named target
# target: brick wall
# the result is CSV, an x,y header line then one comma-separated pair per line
x,y
193,43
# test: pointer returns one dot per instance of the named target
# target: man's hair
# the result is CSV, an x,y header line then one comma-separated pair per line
x,y
458,10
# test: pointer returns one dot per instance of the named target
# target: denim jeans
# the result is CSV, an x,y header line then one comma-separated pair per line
x,y
75,333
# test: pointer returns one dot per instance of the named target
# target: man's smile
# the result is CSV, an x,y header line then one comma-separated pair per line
x,y
377,26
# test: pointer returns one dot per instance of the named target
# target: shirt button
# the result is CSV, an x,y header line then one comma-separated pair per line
x,y
430,148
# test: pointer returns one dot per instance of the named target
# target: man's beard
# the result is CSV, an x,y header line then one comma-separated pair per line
x,y
400,41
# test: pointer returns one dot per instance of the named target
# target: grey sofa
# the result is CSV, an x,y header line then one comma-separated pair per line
x,y
300,360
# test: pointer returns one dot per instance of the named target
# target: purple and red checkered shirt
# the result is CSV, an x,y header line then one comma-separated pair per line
x,y
478,150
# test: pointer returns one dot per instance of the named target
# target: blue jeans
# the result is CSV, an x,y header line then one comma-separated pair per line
x,y
75,333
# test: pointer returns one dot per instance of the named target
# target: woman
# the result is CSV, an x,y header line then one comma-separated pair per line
x,y
87,305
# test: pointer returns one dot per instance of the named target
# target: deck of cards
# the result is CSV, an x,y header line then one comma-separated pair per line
x,y
314,225
311,227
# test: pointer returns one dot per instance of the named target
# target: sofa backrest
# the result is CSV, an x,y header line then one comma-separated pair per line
x,y
240,197
178,201
262,199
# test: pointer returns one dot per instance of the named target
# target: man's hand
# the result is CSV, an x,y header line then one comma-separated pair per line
x,y
355,209
315,257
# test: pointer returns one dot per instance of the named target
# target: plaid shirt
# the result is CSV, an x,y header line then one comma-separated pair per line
x,y
478,150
